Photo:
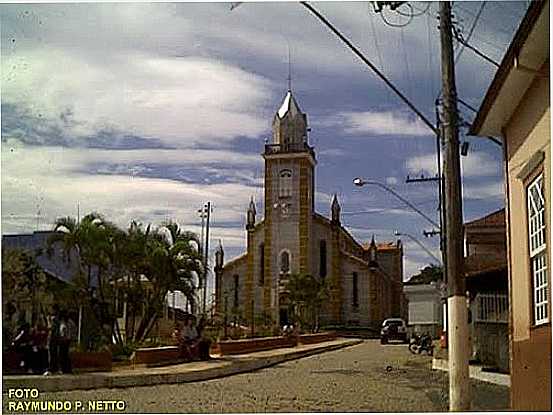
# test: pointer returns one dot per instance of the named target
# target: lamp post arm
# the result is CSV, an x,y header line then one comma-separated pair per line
x,y
424,215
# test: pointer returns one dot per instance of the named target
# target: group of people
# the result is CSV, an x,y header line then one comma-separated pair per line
x,y
192,345
44,348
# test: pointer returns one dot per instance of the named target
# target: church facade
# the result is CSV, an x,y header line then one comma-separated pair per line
x,y
364,280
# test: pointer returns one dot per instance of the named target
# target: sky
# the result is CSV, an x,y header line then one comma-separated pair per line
x,y
146,111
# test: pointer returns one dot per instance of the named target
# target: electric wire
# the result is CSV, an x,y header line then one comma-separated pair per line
x,y
471,31
375,38
356,51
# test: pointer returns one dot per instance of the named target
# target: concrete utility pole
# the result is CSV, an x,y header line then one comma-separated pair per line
x,y
458,336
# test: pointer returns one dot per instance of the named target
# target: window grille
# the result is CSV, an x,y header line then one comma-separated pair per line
x,y
537,248
492,308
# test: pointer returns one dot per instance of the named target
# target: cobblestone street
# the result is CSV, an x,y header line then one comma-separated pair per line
x,y
368,377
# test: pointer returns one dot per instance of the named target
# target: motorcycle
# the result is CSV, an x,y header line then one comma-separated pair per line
x,y
421,343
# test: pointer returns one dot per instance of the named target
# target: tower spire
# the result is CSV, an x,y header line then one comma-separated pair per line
x,y
289,67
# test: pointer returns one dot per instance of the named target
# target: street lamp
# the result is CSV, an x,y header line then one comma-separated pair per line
x,y
397,233
361,182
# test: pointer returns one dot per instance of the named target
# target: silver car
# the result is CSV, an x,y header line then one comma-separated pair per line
x,y
393,329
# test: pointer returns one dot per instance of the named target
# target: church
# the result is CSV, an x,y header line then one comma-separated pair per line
x,y
365,280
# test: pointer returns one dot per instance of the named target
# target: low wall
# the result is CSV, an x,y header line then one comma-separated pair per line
x,y
316,338
80,361
155,355
91,361
227,347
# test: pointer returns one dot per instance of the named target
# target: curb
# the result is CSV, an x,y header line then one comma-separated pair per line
x,y
114,380
475,372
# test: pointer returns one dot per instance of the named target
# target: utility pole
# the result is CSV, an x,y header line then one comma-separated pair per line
x,y
202,212
206,255
458,336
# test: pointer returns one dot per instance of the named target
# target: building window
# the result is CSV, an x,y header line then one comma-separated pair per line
x,y
261,263
285,183
355,290
322,256
236,290
537,242
285,262
491,308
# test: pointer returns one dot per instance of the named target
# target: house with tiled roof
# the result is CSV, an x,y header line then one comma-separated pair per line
x,y
517,109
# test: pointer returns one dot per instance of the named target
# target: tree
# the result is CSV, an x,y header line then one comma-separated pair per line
x,y
428,274
23,282
306,295
173,264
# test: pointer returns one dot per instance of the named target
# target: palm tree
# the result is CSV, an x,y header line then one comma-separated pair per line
x,y
173,264
306,295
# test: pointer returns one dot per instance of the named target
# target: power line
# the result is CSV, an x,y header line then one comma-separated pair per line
x,y
459,38
370,65
474,22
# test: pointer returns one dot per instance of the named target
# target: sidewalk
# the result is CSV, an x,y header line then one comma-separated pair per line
x,y
476,372
185,372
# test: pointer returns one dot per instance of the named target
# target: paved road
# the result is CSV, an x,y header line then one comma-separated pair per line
x,y
368,377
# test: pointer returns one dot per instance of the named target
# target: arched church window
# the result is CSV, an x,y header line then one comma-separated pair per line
x,y
355,290
261,263
285,262
236,290
285,183
322,257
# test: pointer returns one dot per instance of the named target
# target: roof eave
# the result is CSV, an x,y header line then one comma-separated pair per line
x,y
509,84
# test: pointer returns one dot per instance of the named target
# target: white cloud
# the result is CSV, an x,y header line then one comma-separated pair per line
x,y
378,123
475,164
391,180
491,190
181,101
53,180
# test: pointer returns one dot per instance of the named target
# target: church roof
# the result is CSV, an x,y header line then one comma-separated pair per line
x,y
382,246
289,104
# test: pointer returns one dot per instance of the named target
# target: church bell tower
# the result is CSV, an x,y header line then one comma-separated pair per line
x,y
289,202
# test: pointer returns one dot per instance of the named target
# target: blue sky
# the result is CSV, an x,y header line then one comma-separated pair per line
x,y
147,110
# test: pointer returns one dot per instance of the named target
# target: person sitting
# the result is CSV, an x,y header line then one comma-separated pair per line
x,y
189,340
204,343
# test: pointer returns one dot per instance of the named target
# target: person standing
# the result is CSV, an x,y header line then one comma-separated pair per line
x,y
53,341
40,347
64,342
189,339
23,344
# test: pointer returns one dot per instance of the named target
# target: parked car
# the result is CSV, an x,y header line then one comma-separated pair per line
x,y
393,329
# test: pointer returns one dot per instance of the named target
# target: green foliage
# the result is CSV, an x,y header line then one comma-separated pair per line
x,y
428,274
24,283
140,265
306,295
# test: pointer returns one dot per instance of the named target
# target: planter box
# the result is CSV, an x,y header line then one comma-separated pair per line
x,y
155,355
10,362
316,337
91,361
227,347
